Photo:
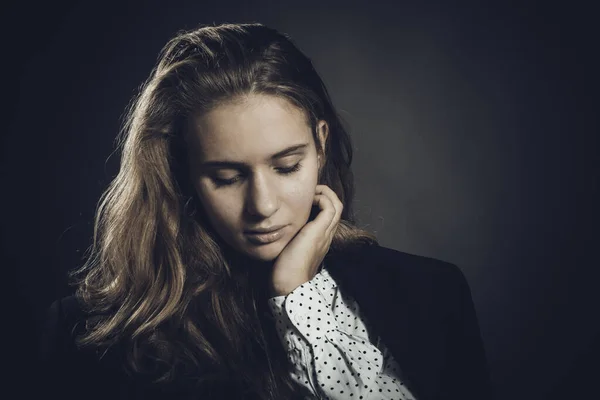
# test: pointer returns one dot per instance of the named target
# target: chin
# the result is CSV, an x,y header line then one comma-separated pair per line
x,y
266,252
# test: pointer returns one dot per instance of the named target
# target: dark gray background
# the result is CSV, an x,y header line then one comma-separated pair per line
x,y
474,128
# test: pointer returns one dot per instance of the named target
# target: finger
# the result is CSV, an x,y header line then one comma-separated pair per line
x,y
326,207
324,189
325,214
329,215
339,206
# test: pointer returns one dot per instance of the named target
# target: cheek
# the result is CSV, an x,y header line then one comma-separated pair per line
x,y
220,208
301,193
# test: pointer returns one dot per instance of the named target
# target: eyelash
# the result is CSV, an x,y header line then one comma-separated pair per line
x,y
284,171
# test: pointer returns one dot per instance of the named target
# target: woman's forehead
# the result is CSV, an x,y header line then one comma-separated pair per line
x,y
250,130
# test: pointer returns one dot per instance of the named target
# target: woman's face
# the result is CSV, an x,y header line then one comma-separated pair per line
x,y
254,165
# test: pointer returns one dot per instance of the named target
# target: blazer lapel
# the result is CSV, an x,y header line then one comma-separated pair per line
x,y
373,281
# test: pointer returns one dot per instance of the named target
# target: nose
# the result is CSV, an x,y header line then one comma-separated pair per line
x,y
261,199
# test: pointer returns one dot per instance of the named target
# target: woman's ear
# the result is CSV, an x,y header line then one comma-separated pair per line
x,y
322,134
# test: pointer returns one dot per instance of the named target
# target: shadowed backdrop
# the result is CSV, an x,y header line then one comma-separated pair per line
x,y
475,142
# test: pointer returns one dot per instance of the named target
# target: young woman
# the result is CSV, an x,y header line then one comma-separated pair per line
x,y
225,262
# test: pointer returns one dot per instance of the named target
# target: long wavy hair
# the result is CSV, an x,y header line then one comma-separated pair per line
x,y
157,279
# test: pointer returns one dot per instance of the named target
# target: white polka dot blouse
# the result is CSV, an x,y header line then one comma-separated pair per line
x,y
328,341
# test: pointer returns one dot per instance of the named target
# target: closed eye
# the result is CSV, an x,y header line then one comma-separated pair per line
x,y
290,170
219,182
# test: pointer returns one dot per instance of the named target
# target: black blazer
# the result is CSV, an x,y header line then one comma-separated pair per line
x,y
421,308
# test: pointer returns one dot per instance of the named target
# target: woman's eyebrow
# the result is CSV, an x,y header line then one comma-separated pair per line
x,y
235,164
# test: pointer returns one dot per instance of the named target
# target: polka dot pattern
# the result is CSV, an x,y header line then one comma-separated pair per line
x,y
330,344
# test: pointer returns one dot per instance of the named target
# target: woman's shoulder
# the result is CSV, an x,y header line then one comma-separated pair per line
x,y
384,259
66,312
64,319
383,271
69,305
67,370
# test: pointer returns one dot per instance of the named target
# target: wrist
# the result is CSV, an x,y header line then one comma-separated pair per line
x,y
284,288
277,290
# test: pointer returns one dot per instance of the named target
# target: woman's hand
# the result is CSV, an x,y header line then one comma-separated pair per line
x,y
299,261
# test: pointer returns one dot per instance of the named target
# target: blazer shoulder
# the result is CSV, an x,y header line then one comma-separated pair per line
x,y
375,268
413,264
66,311
64,319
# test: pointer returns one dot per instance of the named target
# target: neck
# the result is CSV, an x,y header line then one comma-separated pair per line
x,y
259,272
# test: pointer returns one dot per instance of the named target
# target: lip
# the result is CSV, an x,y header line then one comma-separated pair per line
x,y
264,230
265,238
